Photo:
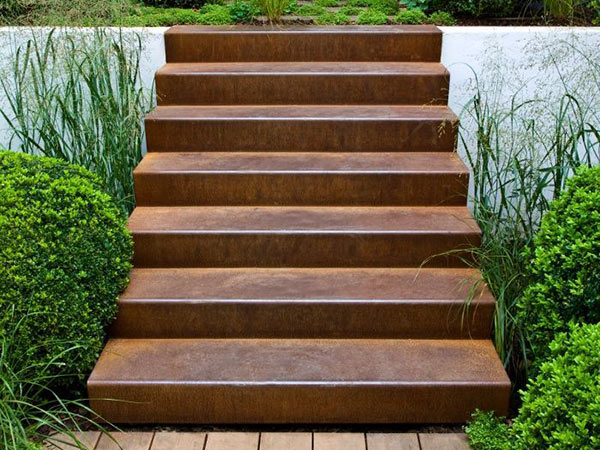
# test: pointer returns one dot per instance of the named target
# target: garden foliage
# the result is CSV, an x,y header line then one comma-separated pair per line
x,y
80,98
65,258
565,265
561,406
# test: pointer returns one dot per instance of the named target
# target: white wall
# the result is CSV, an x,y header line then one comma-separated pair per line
x,y
506,59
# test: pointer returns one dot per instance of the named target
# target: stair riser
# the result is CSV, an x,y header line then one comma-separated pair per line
x,y
243,403
181,135
265,89
303,46
187,319
326,189
273,249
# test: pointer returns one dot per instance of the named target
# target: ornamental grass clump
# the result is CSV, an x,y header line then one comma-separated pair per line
x,y
273,9
65,257
80,98
31,411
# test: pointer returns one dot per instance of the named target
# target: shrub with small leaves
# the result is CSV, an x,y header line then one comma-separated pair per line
x,y
411,17
371,16
64,258
330,18
561,407
442,18
350,10
310,10
359,3
243,11
175,3
565,265
389,7
422,5
487,432
213,14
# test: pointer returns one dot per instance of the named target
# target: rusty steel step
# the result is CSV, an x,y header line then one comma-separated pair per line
x,y
297,381
303,128
301,179
302,236
301,43
305,303
299,83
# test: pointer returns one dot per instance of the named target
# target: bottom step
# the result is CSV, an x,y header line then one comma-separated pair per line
x,y
297,381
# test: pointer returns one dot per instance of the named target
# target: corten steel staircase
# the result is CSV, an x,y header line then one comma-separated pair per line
x,y
295,181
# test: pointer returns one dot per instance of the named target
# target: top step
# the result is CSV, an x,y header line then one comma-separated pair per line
x,y
247,43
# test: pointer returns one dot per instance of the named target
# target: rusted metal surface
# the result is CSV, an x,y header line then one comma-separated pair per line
x,y
303,128
301,43
303,303
300,242
302,179
302,83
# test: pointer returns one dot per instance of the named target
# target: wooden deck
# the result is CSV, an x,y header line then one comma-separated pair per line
x,y
164,440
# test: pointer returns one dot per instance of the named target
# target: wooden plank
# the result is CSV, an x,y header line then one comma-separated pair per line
x,y
88,438
232,441
180,441
392,441
285,441
444,441
127,441
339,441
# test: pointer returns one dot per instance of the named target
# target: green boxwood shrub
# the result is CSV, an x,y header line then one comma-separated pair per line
x,y
64,258
371,16
442,18
565,265
411,17
561,406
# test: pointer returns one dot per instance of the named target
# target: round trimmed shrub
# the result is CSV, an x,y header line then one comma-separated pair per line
x,y
565,265
561,407
64,258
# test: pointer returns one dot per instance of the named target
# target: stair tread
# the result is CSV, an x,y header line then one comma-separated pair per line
x,y
307,112
298,284
304,68
274,219
292,162
299,361
303,29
